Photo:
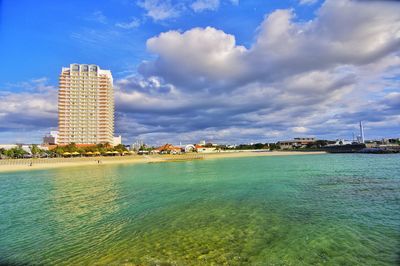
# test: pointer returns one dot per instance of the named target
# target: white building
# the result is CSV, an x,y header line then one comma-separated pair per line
x,y
137,145
85,105
51,139
117,140
203,149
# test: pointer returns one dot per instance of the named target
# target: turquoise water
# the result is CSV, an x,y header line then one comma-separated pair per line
x,y
292,210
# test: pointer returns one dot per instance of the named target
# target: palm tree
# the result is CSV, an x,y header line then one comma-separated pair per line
x,y
35,150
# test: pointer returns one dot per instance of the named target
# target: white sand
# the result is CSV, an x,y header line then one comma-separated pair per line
x,y
37,164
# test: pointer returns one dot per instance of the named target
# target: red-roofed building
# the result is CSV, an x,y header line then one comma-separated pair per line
x,y
169,148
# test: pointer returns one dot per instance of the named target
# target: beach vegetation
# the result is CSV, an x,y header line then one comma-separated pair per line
x,y
35,150
14,153
95,149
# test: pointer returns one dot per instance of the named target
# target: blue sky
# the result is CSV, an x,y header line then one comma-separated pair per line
x,y
220,70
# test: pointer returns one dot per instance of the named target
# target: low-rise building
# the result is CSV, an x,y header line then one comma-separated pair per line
x,y
117,141
203,149
169,148
51,139
296,143
137,145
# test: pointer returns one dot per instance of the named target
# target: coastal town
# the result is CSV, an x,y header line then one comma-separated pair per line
x,y
52,150
86,128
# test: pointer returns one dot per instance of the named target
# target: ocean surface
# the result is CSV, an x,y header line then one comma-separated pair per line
x,y
339,209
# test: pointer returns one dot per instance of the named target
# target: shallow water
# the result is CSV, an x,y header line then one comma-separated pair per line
x,y
292,210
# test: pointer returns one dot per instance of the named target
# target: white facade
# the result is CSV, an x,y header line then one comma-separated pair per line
x,y
117,140
85,105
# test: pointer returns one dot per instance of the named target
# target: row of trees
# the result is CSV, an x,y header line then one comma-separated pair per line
x,y
275,146
16,152
102,148
36,152
256,146
99,148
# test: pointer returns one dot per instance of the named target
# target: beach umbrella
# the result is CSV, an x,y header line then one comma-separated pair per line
x,y
115,152
66,153
97,153
109,152
75,153
89,153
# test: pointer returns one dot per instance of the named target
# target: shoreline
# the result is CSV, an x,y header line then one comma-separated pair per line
x,y
52,163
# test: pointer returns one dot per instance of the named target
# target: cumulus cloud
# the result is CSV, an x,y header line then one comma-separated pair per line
x,y
309,77
335,37
29,113
205,57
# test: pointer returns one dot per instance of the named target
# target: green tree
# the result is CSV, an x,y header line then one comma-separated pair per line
x,y
71,147
120,148
16,152
35,150
59,150
258,146
274,146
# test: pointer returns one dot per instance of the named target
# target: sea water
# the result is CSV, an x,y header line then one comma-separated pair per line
x,y
341,209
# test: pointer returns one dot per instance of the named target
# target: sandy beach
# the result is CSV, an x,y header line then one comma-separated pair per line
x,y
39,164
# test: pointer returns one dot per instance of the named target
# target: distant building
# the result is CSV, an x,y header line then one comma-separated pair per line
x,y
51,139
137,145
25,147
8,146
203,149
117,140
168,148
296,143
85,105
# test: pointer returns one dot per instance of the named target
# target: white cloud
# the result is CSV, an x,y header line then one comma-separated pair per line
x,y
300,129
27,114
134,23
335,37
202,5
308,2
98,16
201,54
160,9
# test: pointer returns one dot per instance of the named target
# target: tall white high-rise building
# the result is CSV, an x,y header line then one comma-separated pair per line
x,y
85,105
